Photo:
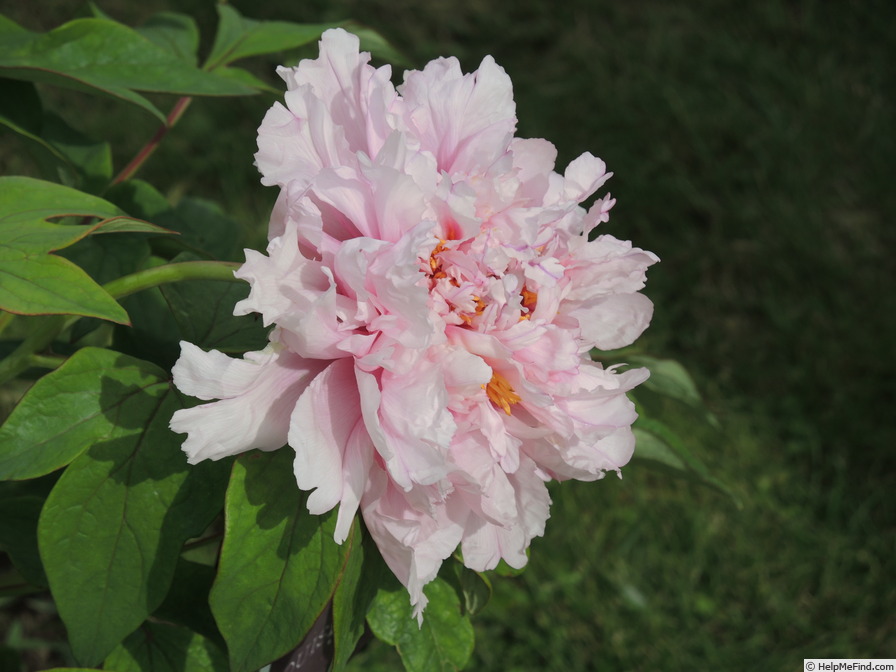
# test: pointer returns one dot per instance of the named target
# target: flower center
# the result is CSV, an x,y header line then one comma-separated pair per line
x,y
435,264
500,392
529,301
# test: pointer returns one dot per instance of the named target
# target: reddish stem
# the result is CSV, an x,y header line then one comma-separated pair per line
x,y
146,151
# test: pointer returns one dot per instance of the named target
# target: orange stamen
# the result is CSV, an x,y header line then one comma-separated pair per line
x,y
501,393
435,264
530,299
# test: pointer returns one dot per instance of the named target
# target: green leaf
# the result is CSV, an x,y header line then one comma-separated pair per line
x,y
378,46
203,311
20,108
187,600
279,565
32,280
247,78
659,446
203,227
113,527
669,378
104,57
10,27
239,37
72,407
45,284
18,536
87,164
365,573
443,642
24,200
160,647
175,33
503,569
653,448
473,587
63,153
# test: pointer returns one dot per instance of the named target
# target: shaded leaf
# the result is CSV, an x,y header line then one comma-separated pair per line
x,y
203,227
378,46
203,310
86,163
105,57
474,588
669,378
112,528
175,33
238,37
63,153
187,600
443,642
20,108
160,647
365,573
279,565
659,446
651,447
18,536
69,408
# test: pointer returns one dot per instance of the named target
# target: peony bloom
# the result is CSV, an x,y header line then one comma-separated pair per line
x,y
435,297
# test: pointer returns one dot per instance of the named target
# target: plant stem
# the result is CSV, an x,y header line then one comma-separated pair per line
x,y
159,275
47,361
51,326
205,541
39,338
147,150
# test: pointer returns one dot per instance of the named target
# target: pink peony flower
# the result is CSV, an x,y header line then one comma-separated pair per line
x,y
435,298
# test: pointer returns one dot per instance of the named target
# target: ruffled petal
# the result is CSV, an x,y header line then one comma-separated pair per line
x,y
257,396
333,449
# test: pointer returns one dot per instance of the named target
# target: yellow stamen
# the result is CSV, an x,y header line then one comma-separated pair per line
x,y
435,264
500,392
467,318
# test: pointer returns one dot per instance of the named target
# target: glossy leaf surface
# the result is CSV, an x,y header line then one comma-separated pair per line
x,y
105,57
160,647
114,524
444,641
279,565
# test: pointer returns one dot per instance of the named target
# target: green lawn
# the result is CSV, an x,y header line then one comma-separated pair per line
x,y
754,150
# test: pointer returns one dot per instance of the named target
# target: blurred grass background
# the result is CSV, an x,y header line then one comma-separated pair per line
x,y
753,147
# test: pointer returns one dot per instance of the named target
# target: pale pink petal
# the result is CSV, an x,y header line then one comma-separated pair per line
x,y
614,321
358,98
486,543
466,121
257,396
409,423
413,543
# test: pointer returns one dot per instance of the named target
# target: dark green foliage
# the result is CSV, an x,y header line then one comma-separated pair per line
x,y
753,147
